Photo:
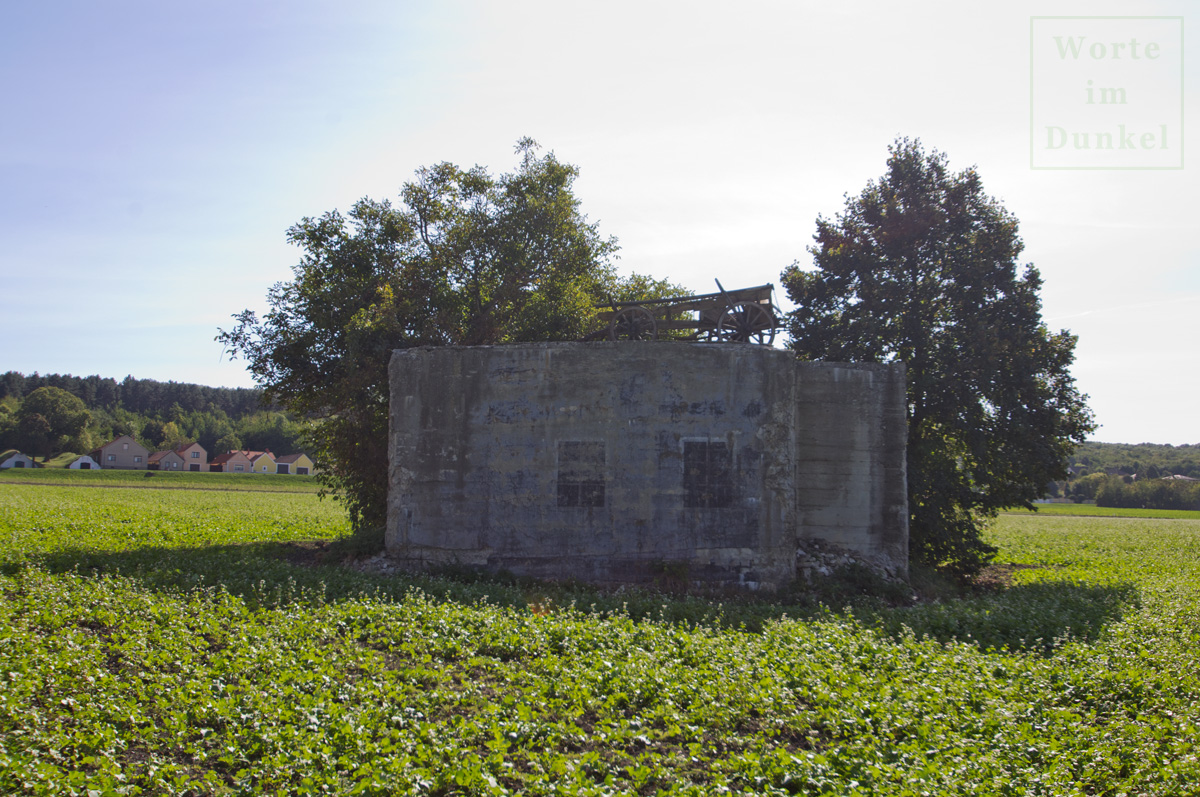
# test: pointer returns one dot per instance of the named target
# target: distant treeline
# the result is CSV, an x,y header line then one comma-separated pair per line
x,y
1148,494
158,414
1144,460
145,396
1133,476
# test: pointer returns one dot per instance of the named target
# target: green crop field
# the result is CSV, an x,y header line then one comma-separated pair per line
x,y
1091,510
200,642
158,480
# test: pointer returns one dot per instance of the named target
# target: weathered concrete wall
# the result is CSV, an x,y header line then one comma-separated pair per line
x,y
621,462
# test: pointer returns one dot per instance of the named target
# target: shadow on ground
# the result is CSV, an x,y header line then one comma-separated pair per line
x,y
1036,617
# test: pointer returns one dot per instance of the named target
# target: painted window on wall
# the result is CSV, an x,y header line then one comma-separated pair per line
x,y
580,473
707,474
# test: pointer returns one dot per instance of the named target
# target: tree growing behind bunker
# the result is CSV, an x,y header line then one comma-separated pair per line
x,y
921,268
466,258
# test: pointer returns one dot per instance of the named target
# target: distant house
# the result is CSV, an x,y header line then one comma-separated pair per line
x,y
261,461
17,460
122,453
84,463
195,457
1179,478
230,462
298,464
165,460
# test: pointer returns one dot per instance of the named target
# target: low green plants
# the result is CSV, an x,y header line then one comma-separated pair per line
x,y
201,642
1091,510
175,480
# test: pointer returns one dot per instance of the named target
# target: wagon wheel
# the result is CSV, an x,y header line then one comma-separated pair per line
x,y
746,323
633,323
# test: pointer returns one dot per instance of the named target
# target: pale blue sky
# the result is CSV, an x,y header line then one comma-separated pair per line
x,y
152,156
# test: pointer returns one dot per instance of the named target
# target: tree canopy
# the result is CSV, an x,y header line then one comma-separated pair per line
x,y
467,258
921,268
48,419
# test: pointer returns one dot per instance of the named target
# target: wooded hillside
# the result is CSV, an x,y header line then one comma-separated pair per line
x,y
158,414
1146,460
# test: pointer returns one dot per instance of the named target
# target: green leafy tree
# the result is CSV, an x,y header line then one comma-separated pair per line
x,y
229,442
271,431
172,435
35,435
468,258
8,422
49,418
123,421
152,434
921,268
1085,488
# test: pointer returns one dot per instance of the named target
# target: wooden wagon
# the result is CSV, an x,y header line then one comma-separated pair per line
x,y
745,315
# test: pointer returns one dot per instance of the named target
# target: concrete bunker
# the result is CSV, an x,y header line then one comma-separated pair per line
x,y
615,462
